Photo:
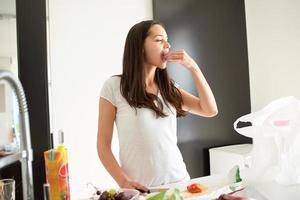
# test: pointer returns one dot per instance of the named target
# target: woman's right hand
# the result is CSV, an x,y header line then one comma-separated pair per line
x,y
134,185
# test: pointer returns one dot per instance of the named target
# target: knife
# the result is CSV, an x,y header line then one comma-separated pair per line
x,y
158,190
152,190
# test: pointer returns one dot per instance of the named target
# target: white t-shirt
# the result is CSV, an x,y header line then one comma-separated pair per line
x,y
148,145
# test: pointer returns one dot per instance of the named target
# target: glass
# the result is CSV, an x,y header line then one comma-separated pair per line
x,y
7,189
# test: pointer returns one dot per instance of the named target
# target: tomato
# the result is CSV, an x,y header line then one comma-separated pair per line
x,y
194,188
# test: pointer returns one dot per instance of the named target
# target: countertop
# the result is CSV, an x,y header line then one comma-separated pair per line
x,y
268,189
218,184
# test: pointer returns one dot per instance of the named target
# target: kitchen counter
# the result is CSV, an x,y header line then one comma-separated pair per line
x,y
269,189
218,184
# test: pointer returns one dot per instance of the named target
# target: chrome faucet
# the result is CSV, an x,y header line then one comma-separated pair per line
x,y
25,142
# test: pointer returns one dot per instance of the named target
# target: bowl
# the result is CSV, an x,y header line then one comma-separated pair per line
x,y
130,192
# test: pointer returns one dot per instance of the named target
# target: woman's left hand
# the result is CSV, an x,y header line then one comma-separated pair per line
x,y
181,57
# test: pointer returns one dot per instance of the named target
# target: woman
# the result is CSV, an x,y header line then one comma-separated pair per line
x,y
144,103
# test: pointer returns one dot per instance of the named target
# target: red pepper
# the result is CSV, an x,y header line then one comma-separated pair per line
x,y
194,188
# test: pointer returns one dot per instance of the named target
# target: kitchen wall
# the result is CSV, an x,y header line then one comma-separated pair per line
x,y
273,29
86,48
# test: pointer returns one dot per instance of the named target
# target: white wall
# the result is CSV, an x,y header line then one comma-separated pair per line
x,y
86,47
273,30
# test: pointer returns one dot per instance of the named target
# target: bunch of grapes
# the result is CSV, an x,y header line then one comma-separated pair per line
x,y
114,195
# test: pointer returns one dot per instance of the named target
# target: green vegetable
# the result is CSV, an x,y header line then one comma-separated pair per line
x,y
159,196
171,194
237,176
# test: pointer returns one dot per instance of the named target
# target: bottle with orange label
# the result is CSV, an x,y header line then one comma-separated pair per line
x,y
57,173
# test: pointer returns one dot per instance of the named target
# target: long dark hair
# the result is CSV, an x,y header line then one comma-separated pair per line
x,y
133,80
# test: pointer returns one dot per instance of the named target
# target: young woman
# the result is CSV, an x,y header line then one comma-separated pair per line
x,y
144,102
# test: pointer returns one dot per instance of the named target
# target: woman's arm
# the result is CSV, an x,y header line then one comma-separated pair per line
x,y
203,105
107,115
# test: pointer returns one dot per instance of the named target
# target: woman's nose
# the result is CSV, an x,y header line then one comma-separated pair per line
x,y
167,45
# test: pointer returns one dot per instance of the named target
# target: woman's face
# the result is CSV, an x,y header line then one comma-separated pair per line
x,y
156,46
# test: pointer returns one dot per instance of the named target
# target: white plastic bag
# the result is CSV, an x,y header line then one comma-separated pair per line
x,y
275,131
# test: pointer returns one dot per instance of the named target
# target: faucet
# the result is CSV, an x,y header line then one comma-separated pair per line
x,y
25,142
